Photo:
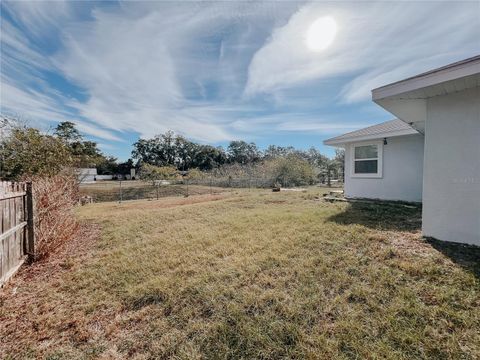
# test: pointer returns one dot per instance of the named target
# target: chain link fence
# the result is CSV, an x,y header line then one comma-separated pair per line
x,y
102,191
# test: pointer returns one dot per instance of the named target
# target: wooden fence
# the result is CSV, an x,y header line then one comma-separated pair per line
x,y
16,228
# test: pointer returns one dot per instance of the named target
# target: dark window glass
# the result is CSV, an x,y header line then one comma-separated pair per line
x,y
366,166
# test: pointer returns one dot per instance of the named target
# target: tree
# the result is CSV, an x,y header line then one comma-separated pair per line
x,y
242,152
340,160
315,158
274,151
144,150
292,170
67,132
175,150
329,168
184,153
208,157
125,167
169,147
159,151
26,152
84,153
108,166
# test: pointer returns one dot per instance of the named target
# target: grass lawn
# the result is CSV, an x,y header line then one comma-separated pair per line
x,y
247,275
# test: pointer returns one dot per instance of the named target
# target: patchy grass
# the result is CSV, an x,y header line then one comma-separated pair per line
x,y
253,274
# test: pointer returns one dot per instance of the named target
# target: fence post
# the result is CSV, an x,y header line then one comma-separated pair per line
x,y
30,238
121,195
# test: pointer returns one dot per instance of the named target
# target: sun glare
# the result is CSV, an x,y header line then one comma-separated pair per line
x,y
321,33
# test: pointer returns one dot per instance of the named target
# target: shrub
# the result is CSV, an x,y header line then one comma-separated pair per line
x,y
152,172
291,171
55,221
195,174
232,171
28,152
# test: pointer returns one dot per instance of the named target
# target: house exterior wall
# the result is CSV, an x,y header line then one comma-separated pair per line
x,y
451,196
402,171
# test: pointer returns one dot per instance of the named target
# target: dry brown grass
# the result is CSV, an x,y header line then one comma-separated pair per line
x,y
254,274
55,221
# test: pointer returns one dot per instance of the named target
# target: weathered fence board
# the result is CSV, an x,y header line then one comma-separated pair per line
x,y
16,227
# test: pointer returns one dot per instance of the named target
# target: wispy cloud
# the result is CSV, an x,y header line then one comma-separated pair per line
x,y
144,67
216,71
376,43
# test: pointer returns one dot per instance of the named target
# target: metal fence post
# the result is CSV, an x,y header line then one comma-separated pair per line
x,y
30,236
121,195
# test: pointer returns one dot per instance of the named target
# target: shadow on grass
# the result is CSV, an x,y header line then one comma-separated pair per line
x,y
407,217
466,256
381,216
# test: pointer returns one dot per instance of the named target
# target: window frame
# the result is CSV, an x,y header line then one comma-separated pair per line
x,y
379,158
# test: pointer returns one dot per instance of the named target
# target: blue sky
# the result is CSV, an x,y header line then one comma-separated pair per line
x,y
219,71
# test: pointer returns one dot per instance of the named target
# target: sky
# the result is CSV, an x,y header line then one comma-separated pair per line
x,y
219,71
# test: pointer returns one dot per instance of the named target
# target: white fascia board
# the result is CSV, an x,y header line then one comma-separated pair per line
x,y
340,142
429,79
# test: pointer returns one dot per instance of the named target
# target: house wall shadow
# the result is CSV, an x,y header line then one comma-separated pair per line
x,y
466,256
406,217
381,216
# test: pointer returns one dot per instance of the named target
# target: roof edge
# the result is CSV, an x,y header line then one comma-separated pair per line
x,y
387,134
452,71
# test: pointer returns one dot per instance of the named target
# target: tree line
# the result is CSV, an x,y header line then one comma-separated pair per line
x,y
170,149
26,150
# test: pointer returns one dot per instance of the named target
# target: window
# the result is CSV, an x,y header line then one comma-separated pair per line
x,y
367,161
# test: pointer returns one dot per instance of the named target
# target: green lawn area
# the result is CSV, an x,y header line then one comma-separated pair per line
x,y
248,274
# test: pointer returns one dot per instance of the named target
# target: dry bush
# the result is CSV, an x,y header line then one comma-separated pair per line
x,y
55,221
152,173
287,171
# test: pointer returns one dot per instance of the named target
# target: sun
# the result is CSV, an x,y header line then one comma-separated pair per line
x,y
321,33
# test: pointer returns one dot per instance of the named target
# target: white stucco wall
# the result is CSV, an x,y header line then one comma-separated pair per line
x,y
104,177
86,175
451,197
401,176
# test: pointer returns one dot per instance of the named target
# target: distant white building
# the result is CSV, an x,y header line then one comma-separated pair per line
x,y
90,175
432,155
86,175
